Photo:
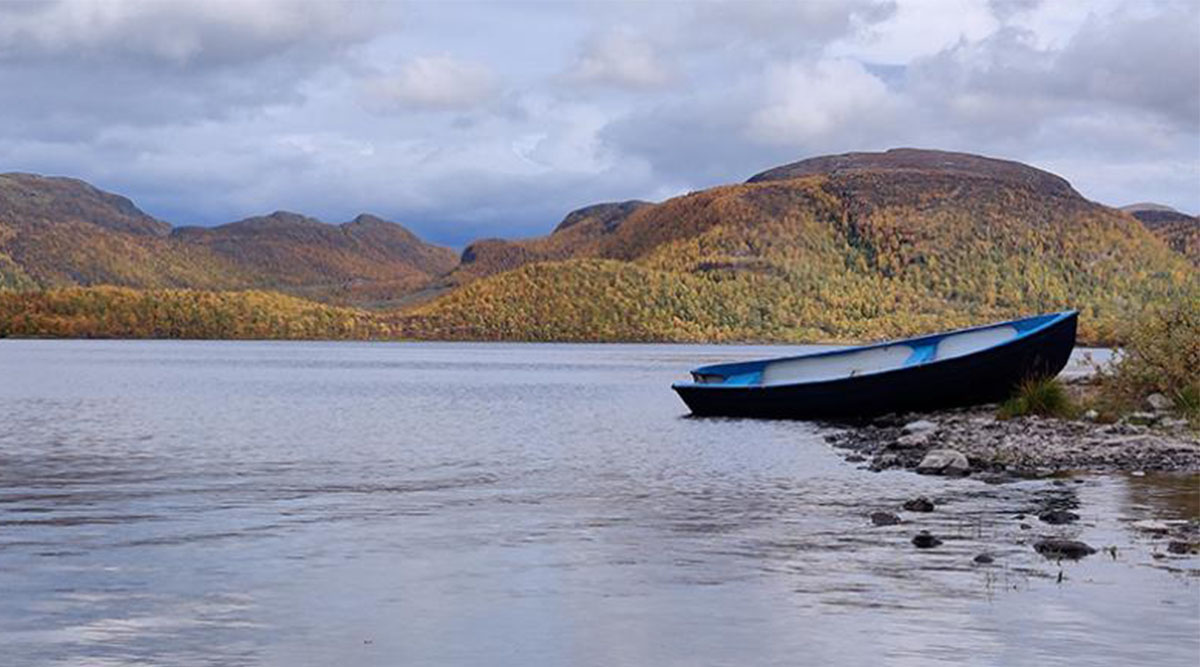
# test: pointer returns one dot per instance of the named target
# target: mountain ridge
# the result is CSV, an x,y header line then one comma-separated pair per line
x,y
834,248
57,231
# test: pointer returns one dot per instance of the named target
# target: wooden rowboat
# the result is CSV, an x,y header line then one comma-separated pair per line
x,y
964,367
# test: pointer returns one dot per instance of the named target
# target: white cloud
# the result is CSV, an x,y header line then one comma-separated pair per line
x,y
620,59
431,82
806,101
301,105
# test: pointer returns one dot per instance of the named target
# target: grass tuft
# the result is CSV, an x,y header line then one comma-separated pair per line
x,y
1041,396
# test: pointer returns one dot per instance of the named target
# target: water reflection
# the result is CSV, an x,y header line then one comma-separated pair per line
x,y
1164,496
308,504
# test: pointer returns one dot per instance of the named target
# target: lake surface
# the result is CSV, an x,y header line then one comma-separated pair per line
x,y
234,503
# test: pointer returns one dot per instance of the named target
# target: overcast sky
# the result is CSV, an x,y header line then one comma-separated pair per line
x,y
464,119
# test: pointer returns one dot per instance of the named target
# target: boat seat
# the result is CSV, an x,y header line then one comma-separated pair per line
x,y
743,379
921,355
959,344
835,366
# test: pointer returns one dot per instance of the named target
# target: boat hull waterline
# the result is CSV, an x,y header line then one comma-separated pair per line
x,y
957,368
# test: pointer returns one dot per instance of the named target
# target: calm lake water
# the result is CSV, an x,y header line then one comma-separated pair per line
x,y
230,503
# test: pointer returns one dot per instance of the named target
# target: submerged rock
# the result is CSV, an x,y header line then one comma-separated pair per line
x,y
1178,547
925,540
884,518
1058,517
984,559
1058,548
944,462
1152,526
920,504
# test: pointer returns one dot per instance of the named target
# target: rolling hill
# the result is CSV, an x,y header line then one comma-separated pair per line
x,y
1180,231
863,245
836,248
59,232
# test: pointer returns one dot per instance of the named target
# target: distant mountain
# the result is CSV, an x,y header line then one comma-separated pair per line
x,y
29,200
852,246
835,248
366,259
1180,231
580,231
59,232
1147,206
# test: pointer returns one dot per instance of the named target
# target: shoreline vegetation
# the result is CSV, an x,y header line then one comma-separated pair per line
x,y
105,311
1159,355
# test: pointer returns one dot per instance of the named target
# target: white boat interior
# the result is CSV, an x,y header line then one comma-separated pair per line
x,y
822,367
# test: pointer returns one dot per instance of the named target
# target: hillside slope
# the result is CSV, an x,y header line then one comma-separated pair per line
x,y
843,248
57,232
1180,231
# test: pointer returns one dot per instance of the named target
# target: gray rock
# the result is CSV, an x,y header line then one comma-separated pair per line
x,y
1058,517
944,462
984,559
912,440
920,426
1159,403
1058,549
919,504
925,540
1177,547
884,518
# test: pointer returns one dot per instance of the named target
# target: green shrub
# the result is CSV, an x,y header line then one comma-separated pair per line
x,y
1038,396
1162,356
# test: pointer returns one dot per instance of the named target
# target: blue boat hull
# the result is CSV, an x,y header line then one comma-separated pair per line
x,y
980,377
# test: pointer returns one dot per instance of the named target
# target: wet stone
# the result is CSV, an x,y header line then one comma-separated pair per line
x,y
1058,517
920,504
1059,548
925,540
984,559
1177,547
884,519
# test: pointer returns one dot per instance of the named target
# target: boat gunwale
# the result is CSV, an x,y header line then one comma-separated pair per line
x,y
1054,319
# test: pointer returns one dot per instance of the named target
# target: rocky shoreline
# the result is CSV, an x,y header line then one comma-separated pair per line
x,y
974,442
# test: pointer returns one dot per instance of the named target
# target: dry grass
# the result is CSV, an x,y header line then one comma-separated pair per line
x,y
1046,397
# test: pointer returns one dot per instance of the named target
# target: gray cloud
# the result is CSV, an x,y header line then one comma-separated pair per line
x,y
181,34
622,59
1155,69
489,119
431,82
788,25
